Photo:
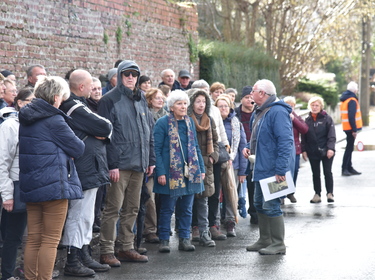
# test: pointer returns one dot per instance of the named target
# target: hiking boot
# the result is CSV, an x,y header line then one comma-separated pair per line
x,y
152,238
110,259
195,234
231,226
330,197
73,267
205,239
316,199
216,234
292,198
84,255
164,246
131,256
185,245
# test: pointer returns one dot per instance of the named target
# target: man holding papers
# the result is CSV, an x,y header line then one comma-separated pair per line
x,y
272,144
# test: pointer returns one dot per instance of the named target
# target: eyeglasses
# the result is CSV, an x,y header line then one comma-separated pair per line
x,y
259,92
128,72
223,106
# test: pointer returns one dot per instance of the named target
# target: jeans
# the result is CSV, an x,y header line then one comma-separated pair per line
x,y
124,197
347,159
14,229
45,222
296,169
167,206
327,170
271,208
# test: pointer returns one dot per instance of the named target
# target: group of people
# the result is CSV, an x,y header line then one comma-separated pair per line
x,y
68,144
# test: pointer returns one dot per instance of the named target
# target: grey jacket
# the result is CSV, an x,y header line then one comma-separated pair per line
x,y
132,142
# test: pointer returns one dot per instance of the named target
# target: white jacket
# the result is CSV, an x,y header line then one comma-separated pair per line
x,y
9,168
215,114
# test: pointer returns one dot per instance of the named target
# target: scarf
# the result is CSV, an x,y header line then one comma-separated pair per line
x,y
236,136
176,170
205,125
157,115
262,110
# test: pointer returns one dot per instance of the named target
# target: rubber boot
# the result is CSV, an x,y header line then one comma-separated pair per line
x,y
73,267
85,257
185,245
277,236
264,234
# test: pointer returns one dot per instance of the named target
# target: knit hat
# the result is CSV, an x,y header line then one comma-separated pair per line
x,y
246,91
111,73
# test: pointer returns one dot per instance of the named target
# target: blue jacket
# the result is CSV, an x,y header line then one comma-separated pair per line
x,y
163,158
275,152
46,148
239,162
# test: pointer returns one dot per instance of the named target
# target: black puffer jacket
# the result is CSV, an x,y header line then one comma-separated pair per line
x,y
92,166
320,136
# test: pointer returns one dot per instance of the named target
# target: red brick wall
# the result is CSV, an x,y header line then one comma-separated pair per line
x,y
65,34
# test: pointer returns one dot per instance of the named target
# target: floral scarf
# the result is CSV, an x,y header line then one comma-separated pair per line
x,y
177,182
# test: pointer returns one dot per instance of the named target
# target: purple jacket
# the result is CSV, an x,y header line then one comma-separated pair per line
x,y
299,127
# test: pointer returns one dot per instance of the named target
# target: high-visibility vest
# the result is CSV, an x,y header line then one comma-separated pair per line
x,y
345,117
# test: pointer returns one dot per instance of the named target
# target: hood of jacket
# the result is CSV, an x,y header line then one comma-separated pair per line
x,y
128,65
193,94
347,94
38,109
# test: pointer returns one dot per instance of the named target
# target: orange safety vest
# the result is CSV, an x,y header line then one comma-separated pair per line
x,y
345,117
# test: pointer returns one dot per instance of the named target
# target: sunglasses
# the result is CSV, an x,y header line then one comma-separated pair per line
x,y
127,73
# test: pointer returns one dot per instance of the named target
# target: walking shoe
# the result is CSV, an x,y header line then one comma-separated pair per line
x,y
185,245
316,199
131,256
354,172
152,238
110,259
231,226
195,234
330,197
345,172
216,234
141,250
205,239
292,198
164,246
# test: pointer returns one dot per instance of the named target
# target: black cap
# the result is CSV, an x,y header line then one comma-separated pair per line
x,y
246,91
184,73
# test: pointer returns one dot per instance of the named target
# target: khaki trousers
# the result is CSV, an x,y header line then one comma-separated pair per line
x,y
123,199
45,221
150,219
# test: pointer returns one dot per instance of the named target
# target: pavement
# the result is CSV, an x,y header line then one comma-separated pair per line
x,y
324,241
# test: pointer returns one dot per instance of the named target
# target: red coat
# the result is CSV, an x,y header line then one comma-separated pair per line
x,y
299,127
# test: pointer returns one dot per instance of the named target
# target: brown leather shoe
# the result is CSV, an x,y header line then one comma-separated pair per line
x,y
110,259
152,238
131,256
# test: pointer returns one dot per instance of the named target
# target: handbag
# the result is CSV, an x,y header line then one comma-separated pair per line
x,y
18,205
223,153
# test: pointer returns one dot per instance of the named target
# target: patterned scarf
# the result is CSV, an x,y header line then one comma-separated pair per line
x,y
205,125
177,182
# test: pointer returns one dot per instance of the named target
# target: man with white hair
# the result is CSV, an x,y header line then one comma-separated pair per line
x,y
168,76
351,120
272,144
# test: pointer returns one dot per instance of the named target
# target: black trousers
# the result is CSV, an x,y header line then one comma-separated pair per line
x,y
214,200
327,171
347,159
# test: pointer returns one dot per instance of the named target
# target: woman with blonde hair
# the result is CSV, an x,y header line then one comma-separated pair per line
x,y
48,178
318,145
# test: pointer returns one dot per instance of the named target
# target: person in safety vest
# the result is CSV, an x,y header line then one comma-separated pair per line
x,y
351,120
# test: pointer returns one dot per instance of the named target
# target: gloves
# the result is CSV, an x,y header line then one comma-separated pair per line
x,y
242,207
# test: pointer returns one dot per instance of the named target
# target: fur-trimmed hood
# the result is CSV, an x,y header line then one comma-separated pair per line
x,y
193,94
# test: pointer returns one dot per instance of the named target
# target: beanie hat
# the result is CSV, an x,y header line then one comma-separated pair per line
x,y
111,73
246,91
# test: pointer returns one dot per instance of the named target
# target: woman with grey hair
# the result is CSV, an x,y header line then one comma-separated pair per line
x,y
179,171
48,177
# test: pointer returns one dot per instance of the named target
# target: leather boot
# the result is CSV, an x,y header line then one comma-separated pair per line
x,y
264,234
73,267
164,246
277,228
185,245
85,257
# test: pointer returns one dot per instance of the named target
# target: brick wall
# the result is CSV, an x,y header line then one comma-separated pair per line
x,y
65,34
